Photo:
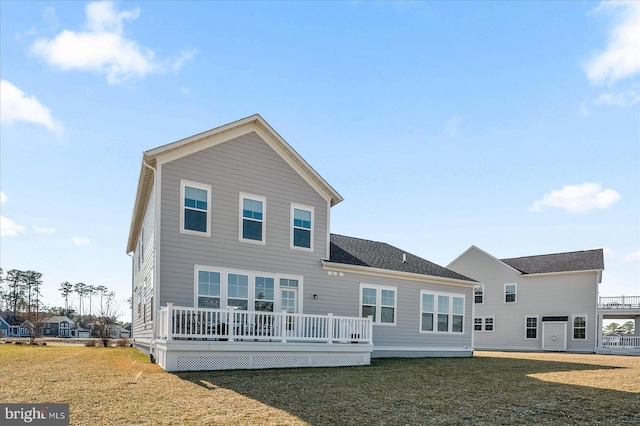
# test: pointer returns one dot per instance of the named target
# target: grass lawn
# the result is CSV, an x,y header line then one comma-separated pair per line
x,y
118,386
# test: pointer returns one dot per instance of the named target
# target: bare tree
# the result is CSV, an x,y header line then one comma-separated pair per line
x,y
106,323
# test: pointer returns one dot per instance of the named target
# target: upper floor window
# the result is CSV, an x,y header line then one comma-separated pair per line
x,y
478,294
441,312
301,227
194,208
379,302
252,218
580,327
510,291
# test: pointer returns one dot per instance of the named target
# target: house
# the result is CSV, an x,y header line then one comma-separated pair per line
x,y
17,328
546,302
234,266
58,326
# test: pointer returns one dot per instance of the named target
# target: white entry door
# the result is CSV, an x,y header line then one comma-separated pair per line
x,y
289,298
554,336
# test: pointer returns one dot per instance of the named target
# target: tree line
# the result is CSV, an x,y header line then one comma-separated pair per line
x,y
21,300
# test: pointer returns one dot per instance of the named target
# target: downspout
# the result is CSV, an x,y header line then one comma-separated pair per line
x,y
152,349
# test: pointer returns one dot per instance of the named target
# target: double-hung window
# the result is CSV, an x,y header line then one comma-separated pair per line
x,y
208,289
379,302
301,227
510,292
478,294
252,219
580,327
531,328
443,313
195,211
238,291
264,294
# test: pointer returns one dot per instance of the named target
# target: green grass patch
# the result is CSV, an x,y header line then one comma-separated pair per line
x,y
117,386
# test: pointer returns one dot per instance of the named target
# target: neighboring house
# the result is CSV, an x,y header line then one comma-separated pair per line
x,y
113,330
58,326
545,302
15,329
234,266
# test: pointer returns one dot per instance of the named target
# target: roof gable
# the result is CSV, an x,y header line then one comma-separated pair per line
x,y
374,254
587,260
169,152
479,251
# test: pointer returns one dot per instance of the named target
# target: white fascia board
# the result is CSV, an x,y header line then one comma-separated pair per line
x,y
257,124
542,274
140,205
367,270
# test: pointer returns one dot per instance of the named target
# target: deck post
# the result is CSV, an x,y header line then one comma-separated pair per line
x,y
169,321
231,323
370,328
330,328
283,326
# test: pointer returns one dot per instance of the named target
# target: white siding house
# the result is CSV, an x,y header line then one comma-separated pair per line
x,y
234,266
545,302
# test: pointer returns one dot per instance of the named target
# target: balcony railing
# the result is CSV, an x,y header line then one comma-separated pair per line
x,y
621,302
178,322
621,341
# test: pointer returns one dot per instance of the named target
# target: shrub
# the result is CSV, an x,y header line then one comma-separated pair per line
x,y
123,343
90,343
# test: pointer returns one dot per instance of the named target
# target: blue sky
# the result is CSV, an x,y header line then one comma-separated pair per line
x,y
512,126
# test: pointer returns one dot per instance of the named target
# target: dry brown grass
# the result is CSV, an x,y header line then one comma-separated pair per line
x,y
118,386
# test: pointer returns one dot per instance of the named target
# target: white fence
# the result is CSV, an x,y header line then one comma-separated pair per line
x,y
621,341
620,302
178,322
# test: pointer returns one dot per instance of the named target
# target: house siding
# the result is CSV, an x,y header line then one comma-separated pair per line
x,y
246,164
341,296
143,285
561,294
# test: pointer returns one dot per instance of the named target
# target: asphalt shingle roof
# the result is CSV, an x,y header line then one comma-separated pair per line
x,y
587,260
374,254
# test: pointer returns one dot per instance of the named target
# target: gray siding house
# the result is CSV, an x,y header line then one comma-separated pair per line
x,y
546,302
234,266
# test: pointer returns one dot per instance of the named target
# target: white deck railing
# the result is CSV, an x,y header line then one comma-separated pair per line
x,y
621,341
178,322
621,302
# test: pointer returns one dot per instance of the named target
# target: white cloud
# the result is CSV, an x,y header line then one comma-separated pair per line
x,y
633,257
9,228
102,47
16,106
621,99
578,198
42,230
3,197
81,241
620,59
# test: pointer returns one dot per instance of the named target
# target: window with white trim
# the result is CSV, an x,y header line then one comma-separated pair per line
x,y
483,323
221,288
531,327
301,227
379,302
478,294
510,292
252,218
489,323
441,312
580,327
208,289
195,211
238,291
264,294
